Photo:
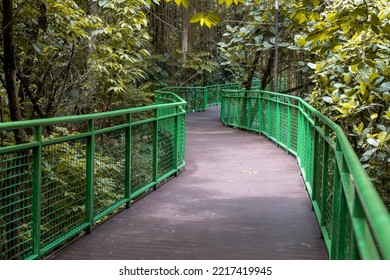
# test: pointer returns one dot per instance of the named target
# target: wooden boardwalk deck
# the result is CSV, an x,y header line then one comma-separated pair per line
x,y
239,197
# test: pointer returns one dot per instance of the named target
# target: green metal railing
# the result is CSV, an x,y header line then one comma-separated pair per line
x,y
354,221
77,170
199,98
61,183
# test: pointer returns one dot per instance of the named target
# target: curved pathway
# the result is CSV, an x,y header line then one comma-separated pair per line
x,y
239,197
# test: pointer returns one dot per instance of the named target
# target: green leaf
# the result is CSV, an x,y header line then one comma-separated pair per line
x,y
301,42
312,65
384,87
197,17
328,99
372,142
353,69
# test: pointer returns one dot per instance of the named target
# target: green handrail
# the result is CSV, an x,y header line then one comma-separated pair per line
x,y
354,221
199,98
62,183
55,187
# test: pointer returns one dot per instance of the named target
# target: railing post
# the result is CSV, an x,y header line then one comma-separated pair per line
x,y
37,191
90,175
128,162
301,138
176,145
260,101
278,120
289,112
337,203
324,182
248,112
205,97
315,161
155,149
268,117
222,115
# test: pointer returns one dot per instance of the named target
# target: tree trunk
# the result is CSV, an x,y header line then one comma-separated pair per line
x,y
185,33
11,189
9,68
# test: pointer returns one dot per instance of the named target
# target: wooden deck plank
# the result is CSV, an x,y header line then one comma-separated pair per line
x,y
239,197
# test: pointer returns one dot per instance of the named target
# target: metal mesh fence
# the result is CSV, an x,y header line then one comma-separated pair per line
x,y
166,146
294,129
333,175
16,202
141,156
49,186
109,169
63,195
194,96
75,171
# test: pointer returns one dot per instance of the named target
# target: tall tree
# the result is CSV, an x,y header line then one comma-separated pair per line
x,y
9,67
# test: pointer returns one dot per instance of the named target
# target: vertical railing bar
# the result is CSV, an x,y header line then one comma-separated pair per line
x,y
90,175
336,204
341,227
268,116
155,149
324,181
260,101
176,145
289,128
37,191
299,137
128,161
205,97
278,121
315,161
248,111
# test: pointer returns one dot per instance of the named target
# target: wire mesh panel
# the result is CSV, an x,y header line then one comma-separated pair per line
x,y
194,96
294,128
16,205
63,189
212,95
318,179
253,115
265,115
181,140
334,177
166,146
327,196
141,155
109,169
273,123
284,129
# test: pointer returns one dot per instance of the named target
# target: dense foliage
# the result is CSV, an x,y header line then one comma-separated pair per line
x,y
79,56
349,54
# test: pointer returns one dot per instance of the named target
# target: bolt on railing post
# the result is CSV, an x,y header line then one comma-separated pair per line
x,y
90,175
128,162
37,191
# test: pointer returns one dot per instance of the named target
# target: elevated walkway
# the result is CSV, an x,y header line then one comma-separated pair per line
x,y
239,197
